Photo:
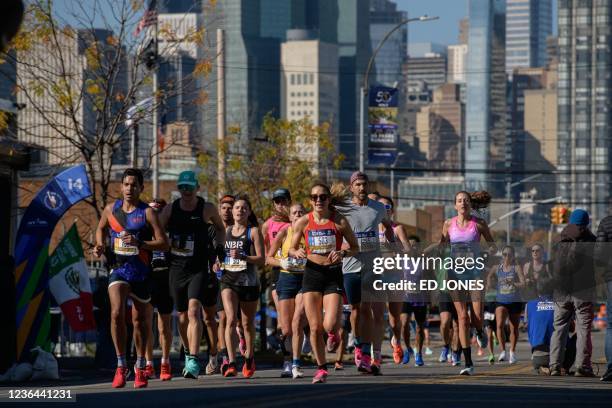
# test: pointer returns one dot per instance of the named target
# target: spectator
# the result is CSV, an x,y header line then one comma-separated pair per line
x,y
602,255
574,283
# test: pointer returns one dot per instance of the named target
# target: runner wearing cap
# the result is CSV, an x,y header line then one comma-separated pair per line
x,y
135,232
367,318
162,301
186,221
278,222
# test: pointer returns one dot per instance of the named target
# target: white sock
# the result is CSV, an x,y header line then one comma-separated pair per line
x,y
150,363
165,360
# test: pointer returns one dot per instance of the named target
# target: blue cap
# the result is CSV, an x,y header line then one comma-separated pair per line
x,y
281,193
579,217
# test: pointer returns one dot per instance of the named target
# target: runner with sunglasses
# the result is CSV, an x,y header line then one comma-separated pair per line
x,y
289,289
401,245
367,318
509,278
463,233
185,221
279,221
323,231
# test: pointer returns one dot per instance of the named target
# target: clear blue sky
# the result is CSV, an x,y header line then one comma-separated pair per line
x,y
443,31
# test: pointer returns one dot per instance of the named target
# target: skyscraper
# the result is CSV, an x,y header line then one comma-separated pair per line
x,y
528,24
486,93
584,115
456,64
384,16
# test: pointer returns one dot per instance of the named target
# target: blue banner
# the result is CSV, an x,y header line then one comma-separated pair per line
x,y
32,254
382,125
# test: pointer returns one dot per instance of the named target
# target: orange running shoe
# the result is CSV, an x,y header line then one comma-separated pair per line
x,y
248,369
140,380
165,373
150,371
231,370
121,376
398,354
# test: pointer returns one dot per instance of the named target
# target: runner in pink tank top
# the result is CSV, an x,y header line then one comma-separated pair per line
x,y
469,233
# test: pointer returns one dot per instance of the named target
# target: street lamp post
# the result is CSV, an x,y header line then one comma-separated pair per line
x,y
364,88
509,198
393,176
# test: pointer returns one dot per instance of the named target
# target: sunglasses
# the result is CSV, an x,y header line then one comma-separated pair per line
x,y
280,200
322,197
186,187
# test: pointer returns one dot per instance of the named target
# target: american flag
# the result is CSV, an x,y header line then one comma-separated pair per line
x,y
148,19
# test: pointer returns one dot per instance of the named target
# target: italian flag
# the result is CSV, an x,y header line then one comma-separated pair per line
x,y
69,282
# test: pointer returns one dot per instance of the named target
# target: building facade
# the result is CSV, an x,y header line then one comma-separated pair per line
x,y
384,17
457,63
528,24
584,94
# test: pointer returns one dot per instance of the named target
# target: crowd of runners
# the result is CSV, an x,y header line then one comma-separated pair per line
x,y
204,261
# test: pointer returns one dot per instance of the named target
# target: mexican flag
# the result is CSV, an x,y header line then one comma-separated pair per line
x,y
69,282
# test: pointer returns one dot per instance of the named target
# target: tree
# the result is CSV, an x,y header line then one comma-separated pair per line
x,y
291,154
79,68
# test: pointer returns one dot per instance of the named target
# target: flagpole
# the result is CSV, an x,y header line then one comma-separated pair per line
x,y
155,164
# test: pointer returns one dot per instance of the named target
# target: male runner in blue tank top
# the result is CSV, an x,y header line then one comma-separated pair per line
x,y
135,232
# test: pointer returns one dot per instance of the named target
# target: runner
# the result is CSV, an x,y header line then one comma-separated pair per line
x,y
509,278
135,232
536,270
402,244
212,293
288,288
186,221
449,329
490,325
463,232
323,230
244,251
162,301
278,222
367,318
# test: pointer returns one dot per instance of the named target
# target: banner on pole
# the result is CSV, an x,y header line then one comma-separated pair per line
x,y
69,282
382,125
32,255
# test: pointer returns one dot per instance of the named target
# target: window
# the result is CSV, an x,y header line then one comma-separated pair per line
x,y
299,80
312,78
292,79
305,78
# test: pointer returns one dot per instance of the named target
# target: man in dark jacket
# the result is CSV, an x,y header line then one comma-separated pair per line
x,y
603,256
573,294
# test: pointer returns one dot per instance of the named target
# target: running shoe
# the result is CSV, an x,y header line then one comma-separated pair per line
x,y
398,354
296,372
502,356
286,372
140,378
418,360
338,366
165,373
358,356
149,371
231,370
512,359
407,355
213,365
192,368
428,351
482,339
333,341
376,367
444,355
467,371
455,358
320,376
584,372
365,365
224,365
121,376
491,359
248,369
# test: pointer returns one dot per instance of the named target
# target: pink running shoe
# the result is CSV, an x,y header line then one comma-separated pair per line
x,y
365,366
358,355
320,376
242,345
333,341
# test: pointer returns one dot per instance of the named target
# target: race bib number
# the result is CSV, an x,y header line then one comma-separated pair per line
x,y
234,265
293,264
120,248
489,316
182,245
368,241
321,241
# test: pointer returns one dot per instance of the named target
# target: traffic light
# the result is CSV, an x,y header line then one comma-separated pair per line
x,y
555,218
564,215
